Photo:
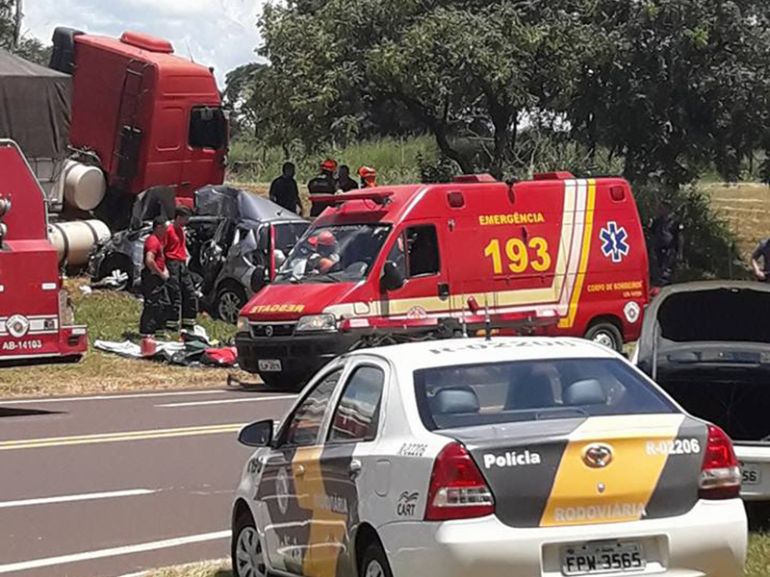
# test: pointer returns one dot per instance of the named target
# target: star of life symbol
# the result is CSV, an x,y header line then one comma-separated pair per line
x,y
614,243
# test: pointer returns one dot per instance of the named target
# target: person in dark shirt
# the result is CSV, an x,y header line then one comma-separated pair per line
x,y
284,191
762,252
667,243
323,184
344,182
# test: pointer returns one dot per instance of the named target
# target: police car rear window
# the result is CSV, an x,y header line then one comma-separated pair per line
x,y
473,395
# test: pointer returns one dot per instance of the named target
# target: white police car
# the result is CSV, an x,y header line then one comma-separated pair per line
x,y
521,456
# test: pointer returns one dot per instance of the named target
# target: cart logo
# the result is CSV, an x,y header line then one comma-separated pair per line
x,y
597,456
614,242
282,490
407,504
17,326
268,331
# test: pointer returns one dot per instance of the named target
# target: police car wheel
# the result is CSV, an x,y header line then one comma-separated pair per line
x,y
606,334
248,558
374,563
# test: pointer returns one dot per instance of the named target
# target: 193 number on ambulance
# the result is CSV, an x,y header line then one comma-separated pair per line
x,y
518,255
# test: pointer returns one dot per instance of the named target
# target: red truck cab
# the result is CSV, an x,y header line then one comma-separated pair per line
x,y
556,255
147,116
36,320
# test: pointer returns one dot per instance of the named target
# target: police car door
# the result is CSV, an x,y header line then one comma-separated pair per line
x,y
352,433
292,478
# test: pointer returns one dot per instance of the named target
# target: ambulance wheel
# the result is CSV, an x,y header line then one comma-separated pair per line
x,y
607,334
374,563
246,549
231,298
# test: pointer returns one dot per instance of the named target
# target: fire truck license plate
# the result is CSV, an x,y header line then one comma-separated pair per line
x,y
270,366
33,345
598,558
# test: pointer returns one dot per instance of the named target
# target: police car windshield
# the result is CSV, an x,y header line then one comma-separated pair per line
x,y
337,253
488,394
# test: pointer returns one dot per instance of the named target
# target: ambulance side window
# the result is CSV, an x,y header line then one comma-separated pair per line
x,y
422,242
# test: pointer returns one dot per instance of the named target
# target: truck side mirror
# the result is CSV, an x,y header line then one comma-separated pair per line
x,y
392,279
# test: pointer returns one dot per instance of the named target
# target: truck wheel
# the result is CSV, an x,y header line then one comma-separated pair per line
x,y
607,334
284,381
374,563
246,549
231,298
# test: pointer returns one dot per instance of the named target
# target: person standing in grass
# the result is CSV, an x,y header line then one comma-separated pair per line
x,y
284,191
155,275
321,185
344,182
184,301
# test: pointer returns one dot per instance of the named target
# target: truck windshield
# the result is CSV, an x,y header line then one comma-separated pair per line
x,y
338,253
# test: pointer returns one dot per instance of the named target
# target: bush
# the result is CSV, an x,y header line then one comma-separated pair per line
x,y
710,250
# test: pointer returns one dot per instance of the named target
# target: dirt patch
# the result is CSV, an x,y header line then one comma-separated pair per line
x,y
745,207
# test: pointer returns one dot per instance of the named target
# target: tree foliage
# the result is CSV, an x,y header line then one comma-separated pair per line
x,y
668,86
12,39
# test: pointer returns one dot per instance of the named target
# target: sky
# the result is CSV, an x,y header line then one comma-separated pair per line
x,y
219,33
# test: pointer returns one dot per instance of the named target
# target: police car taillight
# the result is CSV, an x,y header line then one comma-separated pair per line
x,y
457,488
720,476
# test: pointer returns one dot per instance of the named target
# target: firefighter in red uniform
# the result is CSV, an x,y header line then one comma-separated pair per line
x,y
155,277
184,302
368,177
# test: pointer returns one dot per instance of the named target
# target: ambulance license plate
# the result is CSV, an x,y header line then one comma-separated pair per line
x,y
604,557
270,366
752,474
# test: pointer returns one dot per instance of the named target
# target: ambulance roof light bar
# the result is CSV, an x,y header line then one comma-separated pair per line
x,y
554,176
380,197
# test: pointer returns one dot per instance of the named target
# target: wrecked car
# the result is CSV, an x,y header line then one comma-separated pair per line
x,y
708,345
237,241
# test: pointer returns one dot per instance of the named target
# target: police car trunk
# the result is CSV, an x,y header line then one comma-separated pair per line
x,y
708,345
552,443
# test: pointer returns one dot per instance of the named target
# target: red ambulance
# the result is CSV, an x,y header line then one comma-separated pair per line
x,y
556,255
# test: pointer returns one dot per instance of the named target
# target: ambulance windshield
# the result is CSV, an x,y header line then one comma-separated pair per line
x,y
337,253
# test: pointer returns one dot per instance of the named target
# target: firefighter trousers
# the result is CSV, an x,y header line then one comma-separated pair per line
x,y
157,304
184,302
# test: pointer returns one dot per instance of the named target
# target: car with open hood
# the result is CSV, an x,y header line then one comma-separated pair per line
x,y
708,345
237,241
548,457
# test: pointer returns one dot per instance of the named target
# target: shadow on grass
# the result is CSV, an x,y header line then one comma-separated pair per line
x,y
759,517
223,573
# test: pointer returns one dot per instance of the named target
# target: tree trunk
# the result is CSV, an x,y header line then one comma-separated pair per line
x,y
17,19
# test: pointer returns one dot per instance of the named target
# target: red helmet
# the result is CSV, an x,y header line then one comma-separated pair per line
x,y
329,165
323,238
367,172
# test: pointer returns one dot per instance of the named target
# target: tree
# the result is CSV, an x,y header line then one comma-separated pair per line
x,y
676,85
12,39
458,67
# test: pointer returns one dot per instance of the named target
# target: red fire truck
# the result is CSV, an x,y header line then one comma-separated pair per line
x,y
36,319
142,115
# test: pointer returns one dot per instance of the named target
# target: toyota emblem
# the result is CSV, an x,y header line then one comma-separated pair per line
x,y
597,456
268,331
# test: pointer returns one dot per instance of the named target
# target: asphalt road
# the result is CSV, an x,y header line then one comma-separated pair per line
x,y
111,485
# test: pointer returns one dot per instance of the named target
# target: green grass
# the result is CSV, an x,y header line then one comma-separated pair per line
x,y
758,564
110,316
394,159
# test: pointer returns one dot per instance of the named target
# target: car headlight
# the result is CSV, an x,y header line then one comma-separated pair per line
x,y
317,323
243,325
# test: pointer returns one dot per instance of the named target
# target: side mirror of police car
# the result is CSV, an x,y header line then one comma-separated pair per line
x,y
259,434
392,279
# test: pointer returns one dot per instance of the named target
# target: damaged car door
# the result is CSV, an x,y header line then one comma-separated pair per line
x,y
708,345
